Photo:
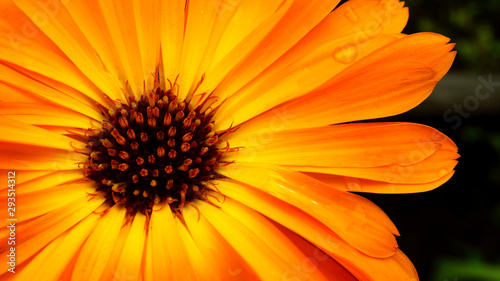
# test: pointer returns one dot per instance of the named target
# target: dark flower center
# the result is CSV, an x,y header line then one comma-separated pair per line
x,y
154,150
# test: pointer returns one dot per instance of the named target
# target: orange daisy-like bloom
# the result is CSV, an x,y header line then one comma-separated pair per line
x,y
209,140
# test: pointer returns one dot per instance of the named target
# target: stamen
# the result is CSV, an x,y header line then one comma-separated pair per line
x,y
157,149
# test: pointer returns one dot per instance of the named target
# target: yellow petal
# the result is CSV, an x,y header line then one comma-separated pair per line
x,y
172,36
35,234
42,90
273,238
43,114
166,251
48,200
97,249
225,261
23,177
130,262
147,15
15,156
114,252
21,133
266,264
61,250
120,20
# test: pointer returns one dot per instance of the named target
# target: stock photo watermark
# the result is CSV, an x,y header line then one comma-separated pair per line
x,y
11,221
483,91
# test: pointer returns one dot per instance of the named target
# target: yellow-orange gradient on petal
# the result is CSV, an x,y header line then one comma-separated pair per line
x,y
211,139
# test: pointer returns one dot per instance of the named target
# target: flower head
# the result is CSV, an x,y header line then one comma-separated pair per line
x,y
211,140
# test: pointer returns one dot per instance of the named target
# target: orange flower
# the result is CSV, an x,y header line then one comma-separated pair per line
x,y
191,140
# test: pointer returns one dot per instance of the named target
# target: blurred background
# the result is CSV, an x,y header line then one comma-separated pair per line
x,y
453,233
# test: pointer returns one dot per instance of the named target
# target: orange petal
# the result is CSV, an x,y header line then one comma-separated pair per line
x,y
63,31
364,185
23,177
354,218
326,264
97,249
273,238
62,250
360,265
233,58
245,17
35,234
389,81
267,264
391,152
14,156
114,251
44,114
46,91
205,24
25,42
299,19
349,33
437,166
48,200
227,263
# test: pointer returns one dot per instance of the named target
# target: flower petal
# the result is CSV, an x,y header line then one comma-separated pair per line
x,y
166,250
25,42
62,249
299,19
23,177
265,262
271,236
371,186
45,91
349,33
204,26
119,18
129,265
395,79
97,249
249,15
16,156
35,234
391,152
42,202
354,218
360,265
172,36
55,21
227,263
326,264
147,15
17,132
43,114
114,252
